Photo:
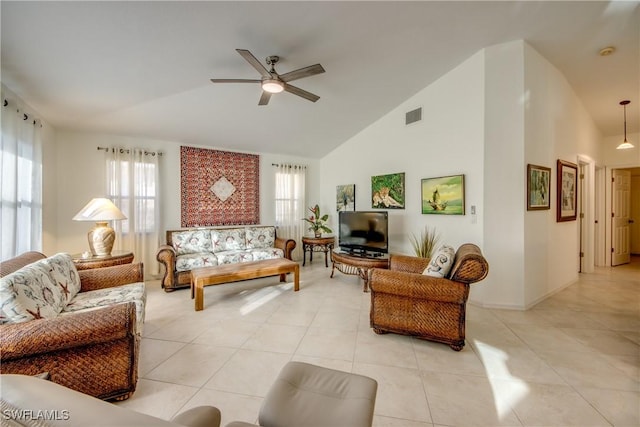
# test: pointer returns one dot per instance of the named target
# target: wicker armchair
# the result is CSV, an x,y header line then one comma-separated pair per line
x,y
404,301
94,352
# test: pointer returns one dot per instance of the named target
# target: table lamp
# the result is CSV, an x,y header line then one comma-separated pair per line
x,y
102,236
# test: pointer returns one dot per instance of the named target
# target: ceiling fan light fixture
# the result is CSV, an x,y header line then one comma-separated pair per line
x,y
625,144
272,86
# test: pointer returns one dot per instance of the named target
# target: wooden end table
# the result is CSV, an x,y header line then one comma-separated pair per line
x,y
95,261
317,244
357,265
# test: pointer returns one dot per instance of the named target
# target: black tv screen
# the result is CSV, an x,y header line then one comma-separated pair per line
x,y
362,232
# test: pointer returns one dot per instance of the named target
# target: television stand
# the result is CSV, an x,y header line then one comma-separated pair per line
x,y
357,265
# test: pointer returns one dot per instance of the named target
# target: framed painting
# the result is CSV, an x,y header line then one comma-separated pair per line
x,y
346,197
387,191
567,191
443,195
538,187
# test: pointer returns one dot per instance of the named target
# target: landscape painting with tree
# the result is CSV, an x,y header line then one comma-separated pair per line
x,y
346,197
538,186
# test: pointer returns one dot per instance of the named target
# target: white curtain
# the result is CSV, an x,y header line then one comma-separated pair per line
x,y
133,185
20,180
290,204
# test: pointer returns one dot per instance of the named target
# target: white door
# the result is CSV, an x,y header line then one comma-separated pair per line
x,y
621,191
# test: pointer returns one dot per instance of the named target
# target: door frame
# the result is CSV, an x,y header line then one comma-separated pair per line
x,y
608,200
586,204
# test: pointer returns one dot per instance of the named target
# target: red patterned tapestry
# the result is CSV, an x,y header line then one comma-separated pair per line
x,y
219,187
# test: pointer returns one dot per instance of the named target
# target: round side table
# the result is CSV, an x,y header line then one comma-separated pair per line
x,y
317,244
357,265
94,261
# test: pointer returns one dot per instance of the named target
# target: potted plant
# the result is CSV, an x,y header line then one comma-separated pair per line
x,y
426,243
317,221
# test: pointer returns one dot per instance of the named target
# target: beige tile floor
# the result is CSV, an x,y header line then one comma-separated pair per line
x,y
572,360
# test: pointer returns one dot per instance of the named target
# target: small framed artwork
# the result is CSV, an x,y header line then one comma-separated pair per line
x,y
387,191
346,197
538,188
567,191
443,195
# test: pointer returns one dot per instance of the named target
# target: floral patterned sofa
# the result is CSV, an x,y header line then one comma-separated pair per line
x,y
82,327
210,246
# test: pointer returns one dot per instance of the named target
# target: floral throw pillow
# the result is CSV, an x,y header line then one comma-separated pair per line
x,y
260,237
30,293
191,241
441,262
65,275
228,239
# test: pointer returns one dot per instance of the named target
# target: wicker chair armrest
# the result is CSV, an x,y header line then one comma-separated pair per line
x,y
109,277
166,254
417,286
287,245
18,340
469,266
410,264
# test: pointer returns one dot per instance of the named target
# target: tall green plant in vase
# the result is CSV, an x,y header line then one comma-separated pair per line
x,y
424,245
317,222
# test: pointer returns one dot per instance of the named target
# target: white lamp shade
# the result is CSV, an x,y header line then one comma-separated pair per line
x,y
625,145
99,209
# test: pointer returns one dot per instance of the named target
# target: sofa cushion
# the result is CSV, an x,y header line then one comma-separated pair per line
x,y
267,253
192,241
233,257
228,239
39,290
190,261
92,300
441,262
261,237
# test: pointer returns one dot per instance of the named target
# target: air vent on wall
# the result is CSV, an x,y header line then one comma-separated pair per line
x,y
413,116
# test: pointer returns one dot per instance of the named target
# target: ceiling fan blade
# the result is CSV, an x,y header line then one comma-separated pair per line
x,y
254,62
301,92
264,99
302,72
235,81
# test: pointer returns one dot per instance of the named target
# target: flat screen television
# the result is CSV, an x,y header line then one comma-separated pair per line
x,y
363,233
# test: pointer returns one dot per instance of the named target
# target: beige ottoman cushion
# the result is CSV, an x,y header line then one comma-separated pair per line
x,y
306,395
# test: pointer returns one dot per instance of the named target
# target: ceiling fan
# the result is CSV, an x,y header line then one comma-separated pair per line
x,y
272,82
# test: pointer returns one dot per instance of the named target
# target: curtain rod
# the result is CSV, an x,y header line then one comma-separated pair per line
x,y
125,150
25,116
289,166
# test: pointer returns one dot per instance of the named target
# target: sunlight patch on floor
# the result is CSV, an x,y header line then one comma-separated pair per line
x,y
258,298
495,363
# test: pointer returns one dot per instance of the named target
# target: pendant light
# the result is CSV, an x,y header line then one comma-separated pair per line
x,y
625,144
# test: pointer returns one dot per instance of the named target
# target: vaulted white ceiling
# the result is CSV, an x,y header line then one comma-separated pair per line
x,y
143,68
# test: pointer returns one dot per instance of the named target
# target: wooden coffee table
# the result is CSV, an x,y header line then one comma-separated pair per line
x,y
226,273
357,265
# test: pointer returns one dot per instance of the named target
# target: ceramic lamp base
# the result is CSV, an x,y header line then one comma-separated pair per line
x,y
101,238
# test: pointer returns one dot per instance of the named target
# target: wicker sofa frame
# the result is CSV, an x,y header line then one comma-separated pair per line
x,y
404,301
94,352
174,279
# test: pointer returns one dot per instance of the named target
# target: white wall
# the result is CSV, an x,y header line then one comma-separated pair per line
x,y
49,191
502,108
504,179
448,141
557,126
81,172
